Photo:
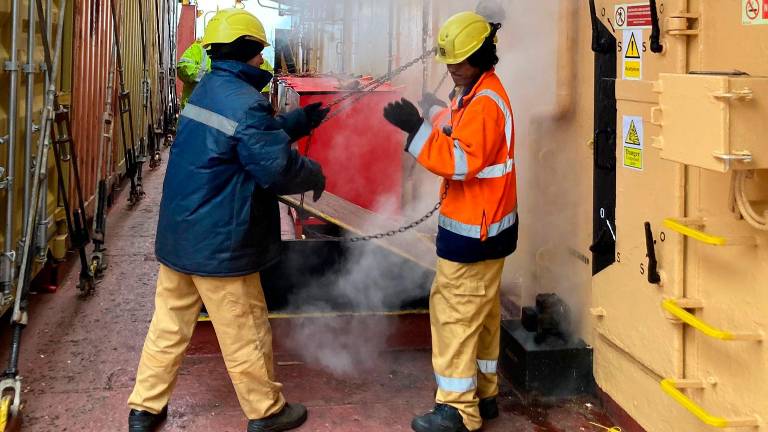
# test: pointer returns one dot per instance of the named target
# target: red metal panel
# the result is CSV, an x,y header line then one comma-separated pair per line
x,y
361,153
91,63
186,35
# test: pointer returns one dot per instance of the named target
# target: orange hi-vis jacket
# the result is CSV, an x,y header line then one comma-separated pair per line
x,y
471,145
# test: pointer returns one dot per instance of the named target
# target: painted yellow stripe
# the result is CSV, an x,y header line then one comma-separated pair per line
x,y
5,407
337,314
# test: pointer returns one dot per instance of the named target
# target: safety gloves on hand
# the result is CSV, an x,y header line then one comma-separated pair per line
x,y
313,179
319,186
404,115
315,114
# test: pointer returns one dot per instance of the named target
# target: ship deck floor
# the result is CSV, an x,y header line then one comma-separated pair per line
x,y
78,358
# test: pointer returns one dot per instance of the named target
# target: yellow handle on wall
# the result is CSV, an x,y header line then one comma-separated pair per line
x,y
672,307
680,227
670,387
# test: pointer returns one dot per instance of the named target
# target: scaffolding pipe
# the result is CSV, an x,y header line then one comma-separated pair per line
x,y
12,66
30,72
391,33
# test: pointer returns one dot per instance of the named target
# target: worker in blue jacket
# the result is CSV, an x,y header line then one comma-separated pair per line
x,y
220,226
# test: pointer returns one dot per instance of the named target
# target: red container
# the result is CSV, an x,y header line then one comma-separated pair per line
x,y
91,60
361,153
185,36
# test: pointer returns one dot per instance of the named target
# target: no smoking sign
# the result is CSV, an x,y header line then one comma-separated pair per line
x,y
754,12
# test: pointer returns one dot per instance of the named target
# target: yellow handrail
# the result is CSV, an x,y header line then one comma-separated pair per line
x,y
670,387
672,307
680,227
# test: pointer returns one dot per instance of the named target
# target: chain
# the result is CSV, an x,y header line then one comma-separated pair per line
x,y
354,97
390,233
372,86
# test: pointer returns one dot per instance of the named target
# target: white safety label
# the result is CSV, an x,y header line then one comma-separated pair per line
x,y
632,48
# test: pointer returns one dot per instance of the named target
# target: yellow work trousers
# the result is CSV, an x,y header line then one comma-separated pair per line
x,y
465,315
238,311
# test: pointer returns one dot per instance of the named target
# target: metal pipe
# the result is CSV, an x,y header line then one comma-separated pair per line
x,y
391,38
41,239
30,70
19,313
12,67
425,42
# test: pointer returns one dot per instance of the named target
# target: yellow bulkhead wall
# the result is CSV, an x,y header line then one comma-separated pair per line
x,y
639,344
708,382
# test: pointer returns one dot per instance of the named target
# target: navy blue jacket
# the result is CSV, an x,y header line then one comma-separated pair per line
x,y
231,157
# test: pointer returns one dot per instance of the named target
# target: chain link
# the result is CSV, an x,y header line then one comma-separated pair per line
x,y
369,88
390,233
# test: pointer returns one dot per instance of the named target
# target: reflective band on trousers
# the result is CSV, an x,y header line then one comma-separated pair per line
x,y
210,118
460,166
487,366
507,114
203,67
474,231
496,171
456,385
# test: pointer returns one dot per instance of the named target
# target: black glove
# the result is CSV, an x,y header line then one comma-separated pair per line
x,y
315,114
429,100
319,187
404,115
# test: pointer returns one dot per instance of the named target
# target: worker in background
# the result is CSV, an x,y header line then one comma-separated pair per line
x,y
195,63
219,226
471,145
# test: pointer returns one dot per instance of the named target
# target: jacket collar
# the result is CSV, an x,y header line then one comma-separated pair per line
x,y
254,76
469,92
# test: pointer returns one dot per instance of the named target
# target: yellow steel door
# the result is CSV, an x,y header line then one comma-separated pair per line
x,y
637,344
728,284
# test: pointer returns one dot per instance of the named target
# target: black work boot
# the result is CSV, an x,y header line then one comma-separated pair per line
x,y
143,421
290,417
489,409
443,418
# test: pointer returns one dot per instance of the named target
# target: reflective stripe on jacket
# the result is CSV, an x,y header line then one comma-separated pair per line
x,y
219,213
472,146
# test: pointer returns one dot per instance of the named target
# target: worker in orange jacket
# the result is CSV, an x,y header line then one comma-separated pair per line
x,y
471,146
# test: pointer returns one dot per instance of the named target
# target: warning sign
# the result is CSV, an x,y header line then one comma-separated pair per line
x,y
754,12
633,47
633,142
633,16
633,138
633,52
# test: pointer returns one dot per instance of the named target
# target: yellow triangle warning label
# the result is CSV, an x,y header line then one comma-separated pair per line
x,y
632,137
632,50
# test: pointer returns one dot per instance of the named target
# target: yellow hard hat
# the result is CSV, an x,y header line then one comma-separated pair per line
x,y
460,36
230,24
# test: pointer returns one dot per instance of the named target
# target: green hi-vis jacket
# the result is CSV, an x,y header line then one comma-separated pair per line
x,y
194,64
